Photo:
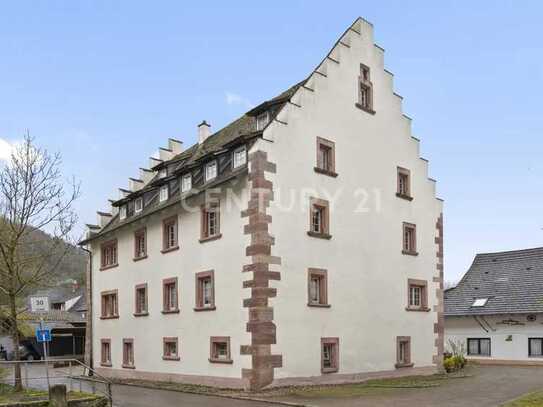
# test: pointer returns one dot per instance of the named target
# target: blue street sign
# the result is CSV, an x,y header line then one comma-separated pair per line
x,y
43,335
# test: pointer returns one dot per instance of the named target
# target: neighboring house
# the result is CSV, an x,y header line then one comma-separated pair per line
x,y
303,240
496,311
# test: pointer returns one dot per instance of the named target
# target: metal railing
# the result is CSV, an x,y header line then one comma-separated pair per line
x,y
39,374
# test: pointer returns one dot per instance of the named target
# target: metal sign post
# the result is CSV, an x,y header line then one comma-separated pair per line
x,y
43,335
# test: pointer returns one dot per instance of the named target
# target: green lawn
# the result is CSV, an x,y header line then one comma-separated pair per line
x,y
8,394
528,400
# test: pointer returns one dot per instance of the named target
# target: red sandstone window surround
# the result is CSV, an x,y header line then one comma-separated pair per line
x,y
319,218
108,255
140,244
219,349
317,290
365,90
205,291
110,304
409,236
105,359
170,296
329,355
171,349
417,295
210,222
169,234
141,300
403,351
128,353
403,189
326,160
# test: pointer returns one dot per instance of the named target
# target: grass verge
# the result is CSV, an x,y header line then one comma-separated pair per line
x,y
9,395
528,400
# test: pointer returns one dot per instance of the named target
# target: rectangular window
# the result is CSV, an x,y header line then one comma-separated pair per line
x,y
140,244
186,183
169,234
262,121
110,304
171,351
128,353
170,299
535,347
479,346
210,221
108,252
138,205
403,351
365,90
240,157
409,239
404,184
319,219
163,193
122,212
162,173
326,162
317,287
329,355
205,291
105,359
211,171
219,351
417,295
141,300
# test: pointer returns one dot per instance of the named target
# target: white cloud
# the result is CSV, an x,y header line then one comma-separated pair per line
x,y
235,99
6,148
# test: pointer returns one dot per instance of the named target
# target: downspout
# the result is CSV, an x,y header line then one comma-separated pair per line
x,y
89,360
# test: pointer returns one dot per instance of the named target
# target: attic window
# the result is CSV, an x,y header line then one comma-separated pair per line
x,y
122,212
138,205
211,171
479,302
262,121
163,172
163,196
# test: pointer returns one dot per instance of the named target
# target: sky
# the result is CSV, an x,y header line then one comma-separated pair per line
x,y
106,83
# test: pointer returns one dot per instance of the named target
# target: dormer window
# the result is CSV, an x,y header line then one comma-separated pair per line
x,y
240,157
262,121
365,90
186,183
138,205
163,173
211,171
163,193
122,212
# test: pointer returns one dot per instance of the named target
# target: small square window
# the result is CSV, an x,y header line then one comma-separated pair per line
x,y
108,254
319,219
220,349
409,237
479,302
105,359
128,353
170,299
211,171
110,304
171,351
186,183
404,184
138,205
140,244
141,300
403,351
317,287
210,227
169,235
417,295
240,157
122,212
329,355
163,193
262,121
205,291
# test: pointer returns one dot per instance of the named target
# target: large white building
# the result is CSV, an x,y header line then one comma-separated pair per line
x,y
496,311
301,242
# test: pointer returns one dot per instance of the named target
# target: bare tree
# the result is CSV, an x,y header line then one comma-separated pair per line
x,y
33,195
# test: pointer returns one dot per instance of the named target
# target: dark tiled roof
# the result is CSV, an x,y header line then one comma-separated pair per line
x,y
512,281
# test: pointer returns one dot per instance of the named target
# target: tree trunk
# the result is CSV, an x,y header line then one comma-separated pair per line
x,y
16,342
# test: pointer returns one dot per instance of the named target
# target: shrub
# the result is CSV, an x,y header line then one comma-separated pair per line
x,y
449,365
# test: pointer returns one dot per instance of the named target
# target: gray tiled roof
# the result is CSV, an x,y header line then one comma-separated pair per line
x,y
512,281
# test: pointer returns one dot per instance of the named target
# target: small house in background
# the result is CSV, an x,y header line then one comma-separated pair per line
x,y
496,311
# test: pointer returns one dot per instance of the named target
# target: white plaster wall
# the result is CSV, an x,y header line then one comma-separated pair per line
x,y
367,273
225,255
459,329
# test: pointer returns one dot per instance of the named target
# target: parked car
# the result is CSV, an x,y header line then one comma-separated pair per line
x,y
26,352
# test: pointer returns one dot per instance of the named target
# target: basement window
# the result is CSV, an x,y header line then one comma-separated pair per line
x,y
479,302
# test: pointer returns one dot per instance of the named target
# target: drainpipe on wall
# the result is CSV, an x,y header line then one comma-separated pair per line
x,y
88,332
